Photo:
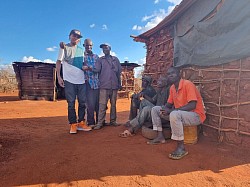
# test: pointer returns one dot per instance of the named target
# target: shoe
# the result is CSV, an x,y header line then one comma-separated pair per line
x,y
73,128
177,156
83,127
91,126
114,124
97,127
105,124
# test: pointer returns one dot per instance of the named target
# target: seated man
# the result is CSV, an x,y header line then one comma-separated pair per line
x,y
147,92
145,113
188,110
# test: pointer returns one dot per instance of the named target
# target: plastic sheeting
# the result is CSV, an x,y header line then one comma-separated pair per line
x,y
204,41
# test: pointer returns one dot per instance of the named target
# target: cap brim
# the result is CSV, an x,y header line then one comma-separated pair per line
x,y
102,45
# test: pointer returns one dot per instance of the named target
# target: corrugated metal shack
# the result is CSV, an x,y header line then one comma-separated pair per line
x,y
36,80
210,39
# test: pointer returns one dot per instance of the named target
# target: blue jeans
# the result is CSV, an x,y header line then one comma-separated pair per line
x,y
73,91
92,104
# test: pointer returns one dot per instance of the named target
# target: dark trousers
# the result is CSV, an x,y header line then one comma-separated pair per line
x,y
92,104
134,106
106,95
73,91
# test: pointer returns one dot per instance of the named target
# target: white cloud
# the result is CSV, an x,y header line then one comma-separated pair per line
x,y
104,27
113,53
156,1
145,18
125,58
155,18
6,66
32,59
175,2
51,48
138,70
92,25
137,28
49,61
140,61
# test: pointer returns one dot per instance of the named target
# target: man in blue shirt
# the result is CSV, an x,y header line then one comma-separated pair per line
x,y
92,83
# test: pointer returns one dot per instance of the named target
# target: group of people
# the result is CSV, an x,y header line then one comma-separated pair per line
x,y
94,81
177,101
89,79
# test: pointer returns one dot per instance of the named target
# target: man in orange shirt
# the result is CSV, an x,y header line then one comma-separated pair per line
x,y
184,107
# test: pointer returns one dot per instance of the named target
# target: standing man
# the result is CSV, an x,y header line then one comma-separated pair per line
x,y
109,69
184,108
71,57
92,83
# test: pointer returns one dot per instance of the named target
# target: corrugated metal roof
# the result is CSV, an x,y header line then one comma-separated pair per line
x,y
31,63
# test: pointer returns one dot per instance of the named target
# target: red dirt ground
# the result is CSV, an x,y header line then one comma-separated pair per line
x,y
37,150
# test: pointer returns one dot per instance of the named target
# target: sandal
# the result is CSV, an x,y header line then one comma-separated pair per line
x,y
115,124
177,156
155,142
126,134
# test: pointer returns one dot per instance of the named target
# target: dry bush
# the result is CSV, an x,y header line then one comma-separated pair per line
x,y
8,81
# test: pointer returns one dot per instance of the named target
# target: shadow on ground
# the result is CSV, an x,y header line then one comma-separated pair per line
x,y
41,151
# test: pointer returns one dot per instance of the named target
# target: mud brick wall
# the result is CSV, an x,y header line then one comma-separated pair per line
x,y
226,93
159,53
127,81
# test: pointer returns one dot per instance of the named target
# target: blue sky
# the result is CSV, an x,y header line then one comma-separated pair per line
x,y
32,29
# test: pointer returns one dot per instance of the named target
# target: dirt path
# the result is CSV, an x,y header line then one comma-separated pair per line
x,y
36,150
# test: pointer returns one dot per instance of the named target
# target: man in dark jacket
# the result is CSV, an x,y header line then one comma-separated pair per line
x,y
147,92
109,69
144,114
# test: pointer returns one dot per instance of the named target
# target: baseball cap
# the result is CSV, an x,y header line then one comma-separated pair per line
x,y
76,32
105,44
147,78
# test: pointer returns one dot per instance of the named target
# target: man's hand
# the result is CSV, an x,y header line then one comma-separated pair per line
x,y
62,45
141,94
60,81
165,111
85,68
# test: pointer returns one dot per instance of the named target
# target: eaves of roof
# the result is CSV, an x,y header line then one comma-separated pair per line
x,y
171,18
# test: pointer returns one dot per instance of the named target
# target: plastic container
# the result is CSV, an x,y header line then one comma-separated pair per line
x,y
190,134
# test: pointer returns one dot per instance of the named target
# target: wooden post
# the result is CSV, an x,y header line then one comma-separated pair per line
x,y
54,81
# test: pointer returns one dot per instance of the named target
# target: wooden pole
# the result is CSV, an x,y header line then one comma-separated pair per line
x,y
54,80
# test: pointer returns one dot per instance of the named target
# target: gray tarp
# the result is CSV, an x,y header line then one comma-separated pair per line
x,y
221,39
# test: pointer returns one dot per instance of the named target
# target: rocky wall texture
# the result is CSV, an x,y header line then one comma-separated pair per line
x,y
159,53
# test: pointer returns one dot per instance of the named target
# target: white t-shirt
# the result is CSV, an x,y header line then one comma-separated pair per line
x,y
71,73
